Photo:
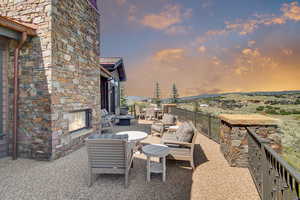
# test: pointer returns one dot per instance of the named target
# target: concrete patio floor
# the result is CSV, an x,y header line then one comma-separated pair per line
x,y
66,178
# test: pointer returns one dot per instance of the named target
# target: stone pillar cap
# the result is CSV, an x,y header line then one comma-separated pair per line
x,y
248,119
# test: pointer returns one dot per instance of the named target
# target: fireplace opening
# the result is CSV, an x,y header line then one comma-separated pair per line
x,y
80,119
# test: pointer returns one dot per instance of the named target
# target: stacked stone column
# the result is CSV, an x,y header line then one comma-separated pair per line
x,y
234,136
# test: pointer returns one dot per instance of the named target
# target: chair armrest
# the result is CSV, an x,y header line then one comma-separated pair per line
x,y
158,122
177,142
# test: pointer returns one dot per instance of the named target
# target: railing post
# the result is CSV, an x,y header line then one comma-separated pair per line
x,y
265,185
195,117
209,126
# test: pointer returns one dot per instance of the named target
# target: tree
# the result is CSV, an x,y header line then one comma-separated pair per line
x,y
174,92
123,99
157,94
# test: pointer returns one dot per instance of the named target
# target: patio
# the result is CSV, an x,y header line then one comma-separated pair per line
x,y
67,178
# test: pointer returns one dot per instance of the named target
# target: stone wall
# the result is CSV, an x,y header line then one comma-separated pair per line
x,y
35,67
234,141
59,73
75,72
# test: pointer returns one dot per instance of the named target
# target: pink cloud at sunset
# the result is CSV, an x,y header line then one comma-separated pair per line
x,y
205,47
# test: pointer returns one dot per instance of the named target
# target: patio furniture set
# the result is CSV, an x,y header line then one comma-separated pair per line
x,y
108,120
149,113
114,153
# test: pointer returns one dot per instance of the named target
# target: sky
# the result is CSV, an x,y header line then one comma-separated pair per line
x,y
204,46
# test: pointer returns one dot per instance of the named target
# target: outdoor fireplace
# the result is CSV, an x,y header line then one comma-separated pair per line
x,y
80,119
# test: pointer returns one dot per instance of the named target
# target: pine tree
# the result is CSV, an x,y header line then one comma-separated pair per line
x,y
174,97
157,94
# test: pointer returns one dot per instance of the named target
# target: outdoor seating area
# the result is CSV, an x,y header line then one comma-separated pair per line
x,y
69,178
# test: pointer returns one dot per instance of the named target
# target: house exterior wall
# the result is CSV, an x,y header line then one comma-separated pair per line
x,y
4,119
34,131
59,73
117,92
76,71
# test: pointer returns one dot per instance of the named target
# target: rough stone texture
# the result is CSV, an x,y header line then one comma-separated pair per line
x,y
67,178
59,72
34,75
234,141
76,71
248,119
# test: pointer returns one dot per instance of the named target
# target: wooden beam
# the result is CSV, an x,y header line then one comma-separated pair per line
x,y
17,26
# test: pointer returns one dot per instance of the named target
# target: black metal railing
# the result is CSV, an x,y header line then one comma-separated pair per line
x,y
274,177
206,124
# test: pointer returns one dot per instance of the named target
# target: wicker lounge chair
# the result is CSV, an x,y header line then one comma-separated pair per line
x,y
150,113
109,154
107,120
181,143
161,126
107,116
140,114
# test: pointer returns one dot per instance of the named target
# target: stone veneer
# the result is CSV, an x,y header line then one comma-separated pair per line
x,y
234,136
59,73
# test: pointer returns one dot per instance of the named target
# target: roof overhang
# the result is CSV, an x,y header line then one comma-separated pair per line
x,y
105,73
114,63
13,29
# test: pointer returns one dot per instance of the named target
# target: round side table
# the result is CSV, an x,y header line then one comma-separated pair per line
x,y
160,151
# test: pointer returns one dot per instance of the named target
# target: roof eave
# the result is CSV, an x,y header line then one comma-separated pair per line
x,y
17,26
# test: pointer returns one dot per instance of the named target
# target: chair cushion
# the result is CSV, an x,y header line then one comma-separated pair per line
x,y
168,119
105,124
108,136
185,132
157,127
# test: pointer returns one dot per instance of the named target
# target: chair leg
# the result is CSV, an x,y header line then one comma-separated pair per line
x,y
192,163
90,178
126,179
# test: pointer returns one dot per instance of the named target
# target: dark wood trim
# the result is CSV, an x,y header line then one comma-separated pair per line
x,y
17,26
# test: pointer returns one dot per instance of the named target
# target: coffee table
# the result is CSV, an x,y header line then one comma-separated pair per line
x,y
134,136
124,120
160,151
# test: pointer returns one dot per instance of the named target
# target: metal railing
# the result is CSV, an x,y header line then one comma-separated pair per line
x,y
274,178
206,124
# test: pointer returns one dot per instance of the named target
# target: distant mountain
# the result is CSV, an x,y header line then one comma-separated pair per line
x,y
132,99
202,96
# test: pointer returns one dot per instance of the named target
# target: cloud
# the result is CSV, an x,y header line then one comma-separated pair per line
x,y
215,60
132,12
121,2
167,55
207,4
251,52
178,30
169,20
287,52
291,11
251,43
201,49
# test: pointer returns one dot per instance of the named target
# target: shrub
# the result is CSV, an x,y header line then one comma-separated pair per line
x,y
260,108
284,112
269,107
271,112
296,112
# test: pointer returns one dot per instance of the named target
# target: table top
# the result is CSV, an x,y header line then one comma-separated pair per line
x,y
134,135
156,150
174,127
